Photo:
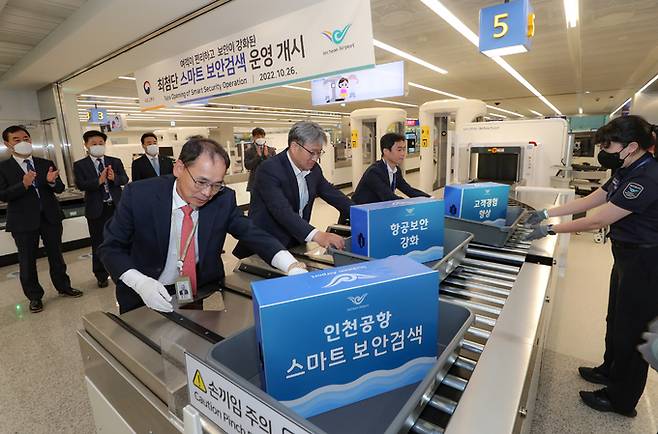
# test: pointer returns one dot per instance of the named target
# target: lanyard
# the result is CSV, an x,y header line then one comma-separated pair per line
x,y
616,179
181,257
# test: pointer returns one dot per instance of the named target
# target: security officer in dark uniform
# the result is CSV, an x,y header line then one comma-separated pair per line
x,y
629,204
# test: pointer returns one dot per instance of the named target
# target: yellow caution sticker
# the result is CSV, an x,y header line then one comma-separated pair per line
x,y
198,382
355,139
424,137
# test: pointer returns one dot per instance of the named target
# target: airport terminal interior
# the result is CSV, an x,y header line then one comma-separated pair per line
x,y
493,112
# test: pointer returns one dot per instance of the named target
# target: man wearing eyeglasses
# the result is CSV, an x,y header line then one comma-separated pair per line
x,y
171,229
285,188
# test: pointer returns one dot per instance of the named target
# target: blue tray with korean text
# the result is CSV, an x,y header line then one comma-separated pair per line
x,y
392,412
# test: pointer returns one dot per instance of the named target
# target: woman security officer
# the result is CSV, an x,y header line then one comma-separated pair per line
x,y
629,204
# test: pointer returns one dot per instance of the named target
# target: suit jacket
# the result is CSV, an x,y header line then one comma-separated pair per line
x,y
24,207
138,235
274,202
86,179
252,160
374,185
143,169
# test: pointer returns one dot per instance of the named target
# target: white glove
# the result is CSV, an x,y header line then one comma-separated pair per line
x,y
297,270
152,292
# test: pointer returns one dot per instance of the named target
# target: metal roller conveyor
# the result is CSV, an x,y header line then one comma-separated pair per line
x,y
485,320
498,255
472,295
489,265
472,284
443,404
480,333
486,273
424,427
463,274
464,363
124,356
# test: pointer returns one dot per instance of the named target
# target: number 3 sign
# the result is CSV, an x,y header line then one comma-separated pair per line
x,y
506,28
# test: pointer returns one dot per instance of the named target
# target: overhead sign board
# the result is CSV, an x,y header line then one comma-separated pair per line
x,y
382,81
506,28
97,116
313,42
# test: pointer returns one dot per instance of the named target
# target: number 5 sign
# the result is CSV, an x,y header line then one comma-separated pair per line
x,y
506,28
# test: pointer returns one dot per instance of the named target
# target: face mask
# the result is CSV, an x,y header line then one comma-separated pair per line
x,y
97,150
610,160
260,141
152,150
23,148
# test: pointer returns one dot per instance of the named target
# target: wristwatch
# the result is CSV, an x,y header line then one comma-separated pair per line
x,y
550,230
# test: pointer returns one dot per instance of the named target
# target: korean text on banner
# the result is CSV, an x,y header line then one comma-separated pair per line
x,y
313,42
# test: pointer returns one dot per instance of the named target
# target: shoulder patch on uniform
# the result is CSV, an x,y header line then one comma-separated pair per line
x,y
633,190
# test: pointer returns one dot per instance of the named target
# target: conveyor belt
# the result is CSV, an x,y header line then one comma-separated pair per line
x,y
482,283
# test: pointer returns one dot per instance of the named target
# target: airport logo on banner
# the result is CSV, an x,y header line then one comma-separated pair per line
x,y
337,35
274,53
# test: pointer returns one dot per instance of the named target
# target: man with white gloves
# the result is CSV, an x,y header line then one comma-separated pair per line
x,y
168,233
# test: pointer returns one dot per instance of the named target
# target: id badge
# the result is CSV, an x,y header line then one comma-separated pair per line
x,y
184,289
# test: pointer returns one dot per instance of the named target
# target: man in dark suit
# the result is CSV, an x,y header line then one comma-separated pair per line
x,y
384,177
28,184
286,187
151,163
101,178
153,242
255,153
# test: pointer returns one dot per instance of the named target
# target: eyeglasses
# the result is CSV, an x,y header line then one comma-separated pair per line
x,y
202,185
314,155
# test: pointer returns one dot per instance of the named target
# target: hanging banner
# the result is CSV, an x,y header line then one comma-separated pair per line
x,y
310,43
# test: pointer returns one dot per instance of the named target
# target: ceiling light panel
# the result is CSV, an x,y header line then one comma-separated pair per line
x,y
408,56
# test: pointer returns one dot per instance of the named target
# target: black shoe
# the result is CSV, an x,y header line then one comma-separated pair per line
x,y
103,283
71,292
598,400
36,306
593,376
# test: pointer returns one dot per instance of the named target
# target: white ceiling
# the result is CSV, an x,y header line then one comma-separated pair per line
x,y
25,23
611,54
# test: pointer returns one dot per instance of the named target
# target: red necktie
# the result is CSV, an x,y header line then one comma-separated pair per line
x,y
189,262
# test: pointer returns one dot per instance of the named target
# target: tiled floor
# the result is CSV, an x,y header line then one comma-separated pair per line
x,y
41,378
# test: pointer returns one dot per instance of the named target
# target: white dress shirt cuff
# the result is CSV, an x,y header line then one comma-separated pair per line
x,y
310,236
282,260
132,278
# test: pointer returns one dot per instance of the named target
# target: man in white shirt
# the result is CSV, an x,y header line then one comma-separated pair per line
x,y
152,163
28,184
101,177
383,178
286,187
174,227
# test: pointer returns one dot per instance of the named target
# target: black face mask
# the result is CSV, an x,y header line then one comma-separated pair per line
x,y
610,160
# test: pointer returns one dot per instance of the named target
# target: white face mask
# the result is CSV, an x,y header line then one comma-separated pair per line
x,y
152,150
23,148
97,150
260,141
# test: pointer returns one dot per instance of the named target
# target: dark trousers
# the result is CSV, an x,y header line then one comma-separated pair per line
x,y
27,244
96,227
632,304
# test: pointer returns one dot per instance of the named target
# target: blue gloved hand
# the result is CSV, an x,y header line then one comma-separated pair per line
x,y
649,349
536,217
537,233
